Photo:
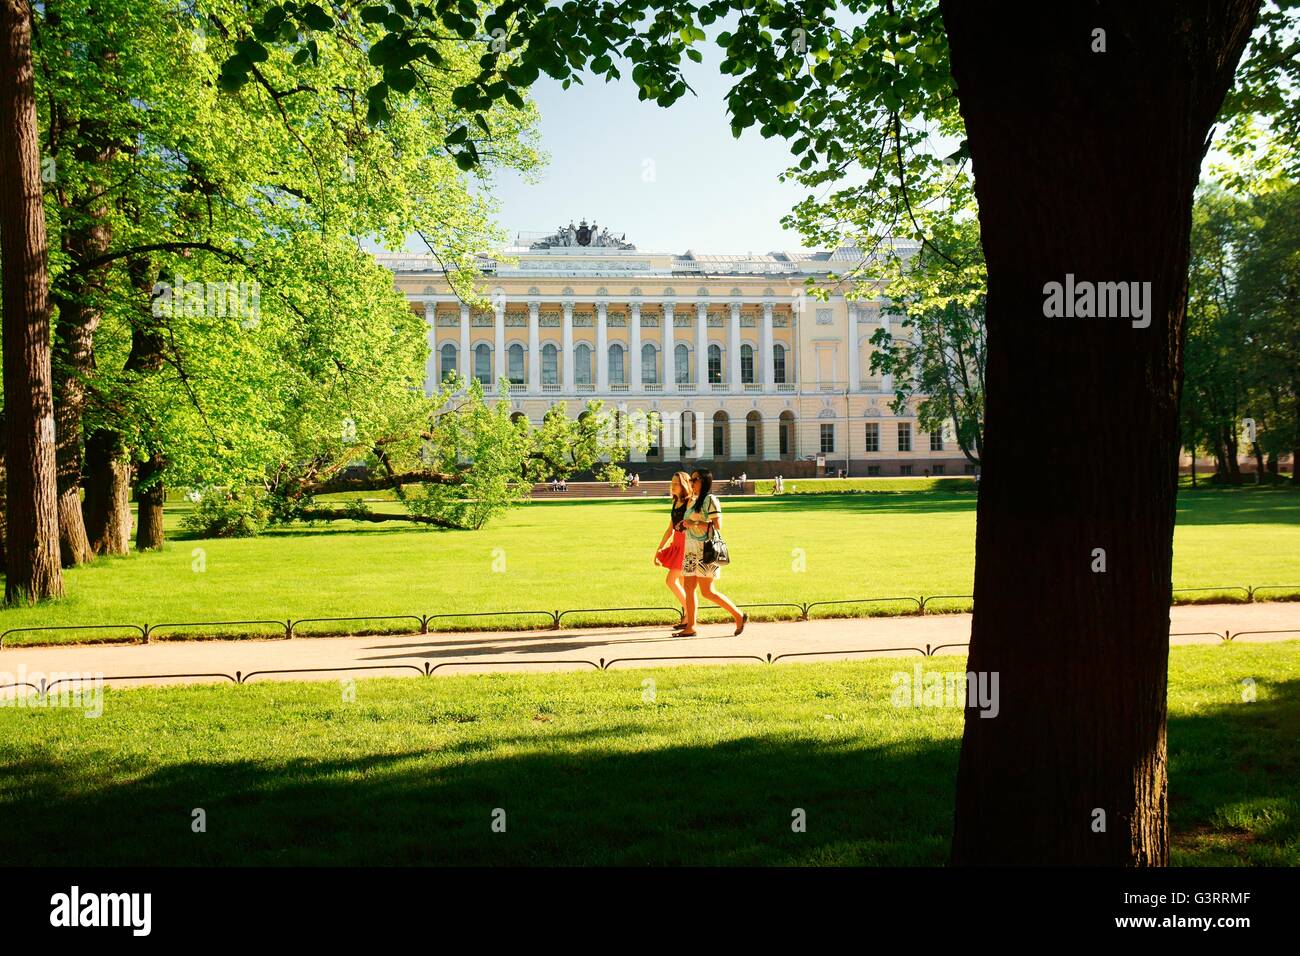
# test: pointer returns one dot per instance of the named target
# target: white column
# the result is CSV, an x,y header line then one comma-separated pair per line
x,y
602,349
670,381
855,378
499,352
466,360
737,438
567,343
702,346
431,363
733,350
534,352
886,381
770,439
635,364
769,365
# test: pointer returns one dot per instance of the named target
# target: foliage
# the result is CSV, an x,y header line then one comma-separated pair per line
x,y
238,513
1243,343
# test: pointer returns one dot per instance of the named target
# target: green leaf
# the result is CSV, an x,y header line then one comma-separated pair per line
x,y
316,18
403,80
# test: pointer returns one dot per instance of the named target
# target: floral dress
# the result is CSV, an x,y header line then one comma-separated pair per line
x,y
693,565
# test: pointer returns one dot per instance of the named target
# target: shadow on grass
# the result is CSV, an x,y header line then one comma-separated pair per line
x,y
724,804
621,798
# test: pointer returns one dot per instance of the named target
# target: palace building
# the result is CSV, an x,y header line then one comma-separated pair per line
x,y
746,371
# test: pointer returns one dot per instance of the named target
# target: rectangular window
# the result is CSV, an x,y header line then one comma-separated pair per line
x,y
828,439
873,471
970,469
904,436
682,364
751,439
873,436
938,469
616,367
778,364
550,366
905,470
785,438
516,359
715,367
747,365
936,441
717,440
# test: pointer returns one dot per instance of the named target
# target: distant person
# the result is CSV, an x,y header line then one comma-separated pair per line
x,y
927,472
703,518
672,545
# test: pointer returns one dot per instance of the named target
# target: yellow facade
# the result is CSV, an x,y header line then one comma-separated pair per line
x,y
751,374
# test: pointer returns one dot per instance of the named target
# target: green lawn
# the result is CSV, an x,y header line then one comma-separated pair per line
x,y
592,554
588,771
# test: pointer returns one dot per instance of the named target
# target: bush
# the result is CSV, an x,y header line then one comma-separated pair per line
x,y
229,514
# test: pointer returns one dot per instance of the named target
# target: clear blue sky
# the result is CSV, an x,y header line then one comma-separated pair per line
x,y
709,192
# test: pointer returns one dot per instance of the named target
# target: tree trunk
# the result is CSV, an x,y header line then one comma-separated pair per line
x,y
149,504
107,507
32,551
146,358
73,361
1085,164
1233,453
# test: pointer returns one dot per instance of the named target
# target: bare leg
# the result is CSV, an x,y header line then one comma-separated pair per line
x,y
674,583
721,600
690,603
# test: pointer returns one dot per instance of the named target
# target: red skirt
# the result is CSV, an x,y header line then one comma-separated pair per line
x,y
670,555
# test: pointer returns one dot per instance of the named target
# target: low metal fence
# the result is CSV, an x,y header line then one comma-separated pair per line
x,y
428,669
145,633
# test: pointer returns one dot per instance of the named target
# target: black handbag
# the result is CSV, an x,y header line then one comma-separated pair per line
x,y
715,550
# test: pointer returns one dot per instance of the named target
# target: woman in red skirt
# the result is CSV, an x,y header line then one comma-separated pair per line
x,y
672,546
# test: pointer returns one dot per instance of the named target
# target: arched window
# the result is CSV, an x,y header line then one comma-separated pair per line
x,y
616,376
778,363
448,356
747,364
682,364
515,356
483,363
649,367
715,364
582,364
550,364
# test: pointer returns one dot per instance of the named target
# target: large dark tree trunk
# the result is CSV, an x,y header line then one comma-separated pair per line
x,y
146,358
86,236
1085,164
1231,452
74,360
107,506
32,545
150,499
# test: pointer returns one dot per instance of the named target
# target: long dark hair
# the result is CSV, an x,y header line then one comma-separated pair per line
x,y
706,483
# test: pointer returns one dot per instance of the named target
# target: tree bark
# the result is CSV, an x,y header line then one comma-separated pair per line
x,y
32,545
1085,164
74,360
1232,452
107,507
150,498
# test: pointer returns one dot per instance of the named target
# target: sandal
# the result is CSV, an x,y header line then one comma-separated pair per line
x,y
685,633
744,619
